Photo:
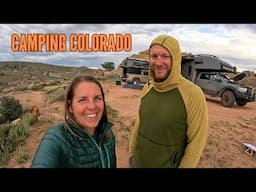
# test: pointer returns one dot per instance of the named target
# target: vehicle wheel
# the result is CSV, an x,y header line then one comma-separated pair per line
x,y
136,81
228,99
241,102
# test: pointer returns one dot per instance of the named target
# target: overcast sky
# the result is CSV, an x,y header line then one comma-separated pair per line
x,y
234,43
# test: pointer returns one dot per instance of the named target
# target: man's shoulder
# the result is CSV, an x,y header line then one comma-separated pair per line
x,y
146,88
191,88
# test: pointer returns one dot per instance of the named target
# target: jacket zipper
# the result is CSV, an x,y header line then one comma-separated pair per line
x,y
100,152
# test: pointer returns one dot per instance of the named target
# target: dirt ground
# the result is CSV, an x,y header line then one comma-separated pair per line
x,y
228,127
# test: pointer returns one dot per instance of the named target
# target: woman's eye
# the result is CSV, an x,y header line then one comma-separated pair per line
x,y
82,100
99,98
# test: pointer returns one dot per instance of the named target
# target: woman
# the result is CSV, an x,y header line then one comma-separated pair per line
x,y
85,139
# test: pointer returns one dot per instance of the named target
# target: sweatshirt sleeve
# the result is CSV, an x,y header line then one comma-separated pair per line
x,y
197,125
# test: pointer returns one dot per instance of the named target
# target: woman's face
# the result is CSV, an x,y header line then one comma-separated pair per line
x,y
87,106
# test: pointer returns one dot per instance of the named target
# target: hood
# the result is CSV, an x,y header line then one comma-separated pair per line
x,y
172,45
239,76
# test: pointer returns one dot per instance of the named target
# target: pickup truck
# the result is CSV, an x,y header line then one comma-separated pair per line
x,y
208,72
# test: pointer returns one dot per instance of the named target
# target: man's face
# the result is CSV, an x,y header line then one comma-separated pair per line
x,y
160,62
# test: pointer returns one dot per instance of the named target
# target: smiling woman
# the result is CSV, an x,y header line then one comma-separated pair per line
x,y
85,139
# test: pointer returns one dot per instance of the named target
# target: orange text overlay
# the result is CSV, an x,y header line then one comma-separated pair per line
x,y
75,42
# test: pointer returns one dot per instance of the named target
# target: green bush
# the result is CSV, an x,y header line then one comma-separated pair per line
x,y
11,137
108,66
10,109
22,155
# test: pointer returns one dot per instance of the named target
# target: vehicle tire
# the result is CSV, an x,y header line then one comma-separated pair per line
x,y
227,99
241,102
136,81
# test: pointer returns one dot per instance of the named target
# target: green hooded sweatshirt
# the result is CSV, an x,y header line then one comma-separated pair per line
x,y
171,127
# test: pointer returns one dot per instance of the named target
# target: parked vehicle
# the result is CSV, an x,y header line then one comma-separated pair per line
x,y
135,71
207,71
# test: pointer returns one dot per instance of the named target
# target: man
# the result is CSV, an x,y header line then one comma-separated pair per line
x,y
172,124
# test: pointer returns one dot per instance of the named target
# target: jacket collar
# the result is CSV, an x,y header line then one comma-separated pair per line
x,y
78,131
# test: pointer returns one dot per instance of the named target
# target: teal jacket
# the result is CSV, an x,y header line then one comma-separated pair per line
x,y
74,148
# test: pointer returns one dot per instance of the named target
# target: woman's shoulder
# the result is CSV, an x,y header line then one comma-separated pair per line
x,y
56,131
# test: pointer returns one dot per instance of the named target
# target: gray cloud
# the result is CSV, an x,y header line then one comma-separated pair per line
x,y
233,42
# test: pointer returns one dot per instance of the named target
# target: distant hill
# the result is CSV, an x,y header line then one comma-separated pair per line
x,y
19,73
28,67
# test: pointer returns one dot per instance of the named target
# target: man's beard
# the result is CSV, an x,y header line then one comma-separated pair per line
x,y
159,80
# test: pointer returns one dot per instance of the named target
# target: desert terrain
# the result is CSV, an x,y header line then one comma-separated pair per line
x,y
228,127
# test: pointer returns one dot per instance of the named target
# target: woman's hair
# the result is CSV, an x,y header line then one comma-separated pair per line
x,y
70,94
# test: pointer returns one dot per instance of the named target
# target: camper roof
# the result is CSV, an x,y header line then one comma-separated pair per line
x,y
208,62
138,59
